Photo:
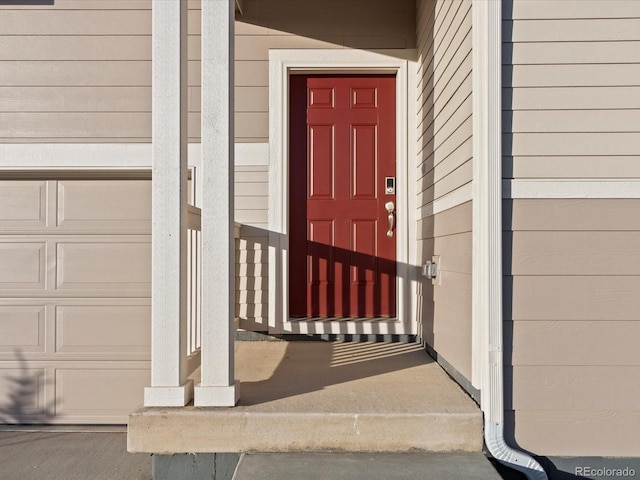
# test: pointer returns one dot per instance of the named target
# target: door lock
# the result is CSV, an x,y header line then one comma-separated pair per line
x,y
390,185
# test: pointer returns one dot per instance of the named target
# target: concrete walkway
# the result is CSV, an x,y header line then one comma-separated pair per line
x,y
56,454
369,466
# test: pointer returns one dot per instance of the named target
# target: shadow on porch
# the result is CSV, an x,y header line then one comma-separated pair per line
x,y
322,396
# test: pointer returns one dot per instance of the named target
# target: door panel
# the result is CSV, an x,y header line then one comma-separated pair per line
x,y
342,147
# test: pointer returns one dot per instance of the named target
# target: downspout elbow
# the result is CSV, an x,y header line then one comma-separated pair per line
x,y
515,459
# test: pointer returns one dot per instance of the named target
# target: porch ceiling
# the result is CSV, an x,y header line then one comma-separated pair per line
x,y
321,396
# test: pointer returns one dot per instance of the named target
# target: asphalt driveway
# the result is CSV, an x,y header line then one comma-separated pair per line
x,y
61,455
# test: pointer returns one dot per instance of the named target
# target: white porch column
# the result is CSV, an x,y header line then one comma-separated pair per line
x,y
169,384
218,387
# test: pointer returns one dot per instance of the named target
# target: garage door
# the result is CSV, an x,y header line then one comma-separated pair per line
x,y
75,307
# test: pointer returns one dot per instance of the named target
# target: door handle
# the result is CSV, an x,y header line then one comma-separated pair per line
x,y
390,208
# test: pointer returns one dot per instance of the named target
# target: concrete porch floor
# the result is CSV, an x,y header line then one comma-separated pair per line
x,y
322,397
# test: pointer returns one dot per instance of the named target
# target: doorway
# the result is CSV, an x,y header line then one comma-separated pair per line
x,y
342,167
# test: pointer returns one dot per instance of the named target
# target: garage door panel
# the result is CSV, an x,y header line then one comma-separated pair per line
x,y
22,393
22,265
22,328
105,329
75,308
108,205
23,205
109,267
109,392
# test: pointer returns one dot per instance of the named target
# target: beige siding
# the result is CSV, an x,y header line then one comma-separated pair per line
x,y
572,282
572,271
80,71
618,431
571,80
282,24
444,165
251,208
76,71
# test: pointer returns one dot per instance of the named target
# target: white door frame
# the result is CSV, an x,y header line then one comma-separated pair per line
x,y
283,63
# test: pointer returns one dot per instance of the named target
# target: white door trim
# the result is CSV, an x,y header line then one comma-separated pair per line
x,y
282,63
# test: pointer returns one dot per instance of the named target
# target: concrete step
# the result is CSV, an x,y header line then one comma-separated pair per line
x,y
358,466
322,397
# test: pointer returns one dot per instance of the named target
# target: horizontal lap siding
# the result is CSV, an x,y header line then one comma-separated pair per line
x,y
444,165
251,208
283,24
572,321
76,71
80,71
571,78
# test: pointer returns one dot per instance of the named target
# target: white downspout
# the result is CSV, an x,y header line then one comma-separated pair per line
x,y
487,235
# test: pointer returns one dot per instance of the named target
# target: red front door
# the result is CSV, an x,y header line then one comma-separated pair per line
x,y
342,251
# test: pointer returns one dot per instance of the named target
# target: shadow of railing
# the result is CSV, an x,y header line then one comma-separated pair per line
x,y
252,283
335,276
305,368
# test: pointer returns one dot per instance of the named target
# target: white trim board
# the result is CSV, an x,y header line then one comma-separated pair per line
x,y
29,156
571,188
453,199
41,156
540,188
282,63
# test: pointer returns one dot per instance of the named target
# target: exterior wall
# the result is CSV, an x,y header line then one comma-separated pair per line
x,y
85,76
252,248
76,71
572,268
272,24
283,24
80,71
444,173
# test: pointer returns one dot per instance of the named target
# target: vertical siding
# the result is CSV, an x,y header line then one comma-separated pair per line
x,y
444,166
572,269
